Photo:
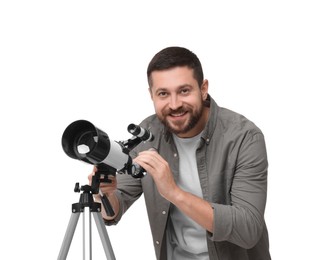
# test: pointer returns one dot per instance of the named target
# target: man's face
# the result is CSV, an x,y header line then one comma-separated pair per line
x,y
178,100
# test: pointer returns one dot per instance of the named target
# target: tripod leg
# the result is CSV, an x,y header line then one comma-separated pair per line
x,y
87,234
71,228
103,235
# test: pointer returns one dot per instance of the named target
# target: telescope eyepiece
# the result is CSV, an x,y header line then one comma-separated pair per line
x,y
143,134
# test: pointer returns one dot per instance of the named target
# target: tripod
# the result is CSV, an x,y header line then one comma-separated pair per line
x,y
86,201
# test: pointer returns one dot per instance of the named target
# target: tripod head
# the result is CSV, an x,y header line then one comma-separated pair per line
x,y
86,198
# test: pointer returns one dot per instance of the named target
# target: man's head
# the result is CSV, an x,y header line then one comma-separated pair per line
x,y
178,91
171,57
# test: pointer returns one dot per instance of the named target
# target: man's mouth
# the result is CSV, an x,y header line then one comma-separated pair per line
x,y
178,114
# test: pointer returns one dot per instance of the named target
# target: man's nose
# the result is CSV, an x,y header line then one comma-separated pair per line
x,y
175,102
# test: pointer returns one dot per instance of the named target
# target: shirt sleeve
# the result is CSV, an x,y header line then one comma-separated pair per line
x,y
242,221
129,189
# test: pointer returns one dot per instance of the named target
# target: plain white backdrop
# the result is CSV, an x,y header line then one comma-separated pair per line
x,y
60,61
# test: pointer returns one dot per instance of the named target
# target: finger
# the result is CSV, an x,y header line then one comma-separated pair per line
x,y
149,154
92,173
148,161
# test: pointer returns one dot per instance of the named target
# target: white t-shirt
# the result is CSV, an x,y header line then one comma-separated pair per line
x,y
185,238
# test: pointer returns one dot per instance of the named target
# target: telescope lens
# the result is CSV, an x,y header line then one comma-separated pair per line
x,y
87,142
83,149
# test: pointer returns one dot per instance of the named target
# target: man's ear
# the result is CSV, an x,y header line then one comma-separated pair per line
x,y
204,89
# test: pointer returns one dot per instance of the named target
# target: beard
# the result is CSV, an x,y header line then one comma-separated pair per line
x,y
182,126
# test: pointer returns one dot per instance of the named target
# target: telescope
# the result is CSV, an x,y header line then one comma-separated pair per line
x,y
83,141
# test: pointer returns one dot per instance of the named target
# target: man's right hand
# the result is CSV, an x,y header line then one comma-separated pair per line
x,y
107,189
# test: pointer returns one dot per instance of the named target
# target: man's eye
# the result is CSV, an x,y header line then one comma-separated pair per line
x,y
185,91
162,94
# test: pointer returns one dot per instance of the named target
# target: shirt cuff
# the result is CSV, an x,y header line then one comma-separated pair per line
x,y
222,224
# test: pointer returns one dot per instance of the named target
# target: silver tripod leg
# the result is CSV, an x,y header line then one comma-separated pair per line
x,y
103,235
101,229
71,228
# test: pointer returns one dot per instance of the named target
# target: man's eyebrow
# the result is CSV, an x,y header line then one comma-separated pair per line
x,y
168,90
179,87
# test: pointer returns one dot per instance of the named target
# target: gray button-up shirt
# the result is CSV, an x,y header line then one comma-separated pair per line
x,y
232,166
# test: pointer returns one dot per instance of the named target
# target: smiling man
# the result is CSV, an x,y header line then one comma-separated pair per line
x,y
206,186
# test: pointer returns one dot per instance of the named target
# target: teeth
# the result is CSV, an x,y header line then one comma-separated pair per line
x,y
179,114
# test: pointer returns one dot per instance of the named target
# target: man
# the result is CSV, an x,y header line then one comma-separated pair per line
x,y
206,186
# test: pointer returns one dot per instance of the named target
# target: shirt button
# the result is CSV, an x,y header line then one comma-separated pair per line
x,y
163,212
157,242
175,155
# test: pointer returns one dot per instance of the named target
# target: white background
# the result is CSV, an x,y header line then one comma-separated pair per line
x,y
272,61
